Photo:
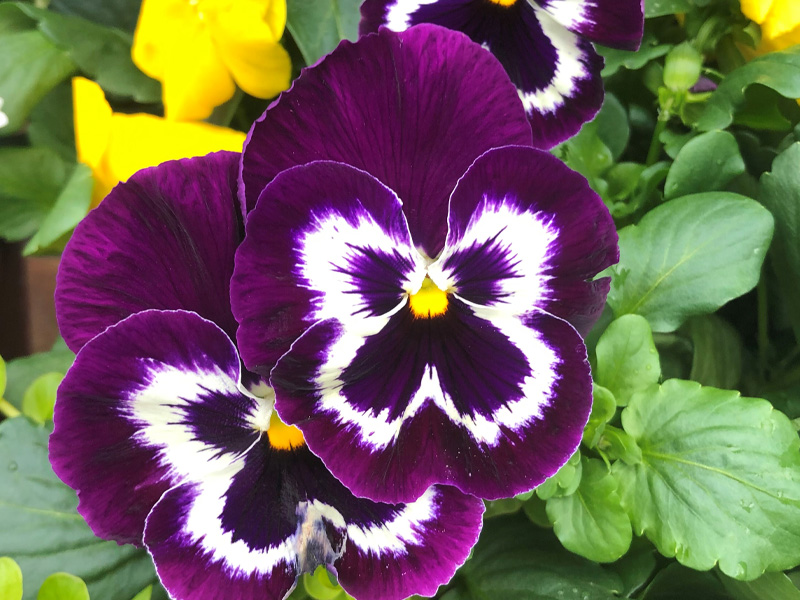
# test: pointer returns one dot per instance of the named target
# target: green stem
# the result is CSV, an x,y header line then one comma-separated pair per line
x,y
655,143
8,410
763,326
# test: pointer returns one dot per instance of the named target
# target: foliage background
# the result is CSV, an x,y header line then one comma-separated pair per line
x,y
688,479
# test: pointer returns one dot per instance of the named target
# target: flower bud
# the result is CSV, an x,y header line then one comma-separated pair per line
x,y
682,67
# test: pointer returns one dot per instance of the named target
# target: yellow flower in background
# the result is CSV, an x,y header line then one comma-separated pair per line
x,y
779,20
116,145
201,49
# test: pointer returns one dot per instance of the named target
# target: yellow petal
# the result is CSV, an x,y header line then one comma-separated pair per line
x,y
140,140
246,34
756,9
172,44
783,18
92,119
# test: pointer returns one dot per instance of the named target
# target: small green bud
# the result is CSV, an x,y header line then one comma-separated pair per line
x,y
682,67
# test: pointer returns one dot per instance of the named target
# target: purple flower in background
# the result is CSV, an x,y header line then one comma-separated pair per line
x,y
544,45
171,444
428,276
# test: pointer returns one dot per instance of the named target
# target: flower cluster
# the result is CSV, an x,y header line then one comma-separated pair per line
x,y
325,350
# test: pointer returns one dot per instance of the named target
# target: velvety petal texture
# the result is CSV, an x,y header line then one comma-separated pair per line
x,y
432,371
544,45
413,109
163,240
229,501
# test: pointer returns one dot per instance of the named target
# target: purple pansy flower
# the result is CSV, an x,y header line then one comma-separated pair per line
x,y
545,45
171,444
428,276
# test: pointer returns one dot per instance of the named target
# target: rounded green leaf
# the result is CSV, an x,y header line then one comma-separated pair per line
x,y
10,579
63,586
515,560
717,357
565,481
604,407
627,359
2,376
591,522
719,480
689,257
145,594
706,163
40,397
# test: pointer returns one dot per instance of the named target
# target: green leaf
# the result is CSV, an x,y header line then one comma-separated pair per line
x,y
618,445
780,193
719,480
40,397
51,122
770,586
612,126
30,181
63,586
637,566
145,594
676,581
44,533
70,207
689,257
23,371
104,54
615,59
121,14
30,66
515,560
317,26
627,359
10,579
2,376
321,586
779,71
591,522
565,481
706,163
659,8
604,407
717,357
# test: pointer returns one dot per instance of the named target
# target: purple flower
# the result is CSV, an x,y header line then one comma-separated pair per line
x,y
171,444
425,268
544,45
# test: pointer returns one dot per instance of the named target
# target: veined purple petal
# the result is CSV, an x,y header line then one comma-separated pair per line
x,y
614,23
413,109
165,239
249,533
150,402
489,403
557,73
527,232
325,240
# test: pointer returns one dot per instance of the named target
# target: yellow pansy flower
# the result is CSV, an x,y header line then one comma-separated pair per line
x,y
116,145
201,49
779,20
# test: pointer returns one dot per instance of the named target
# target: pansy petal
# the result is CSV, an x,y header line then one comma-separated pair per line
x,y
150,402
557,73
396,106
614,23
163,240
325,240
248,532
492,407
527,232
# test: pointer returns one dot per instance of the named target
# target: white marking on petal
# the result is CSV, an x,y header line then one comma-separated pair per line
x,y
569,68
3,116
158,409
527,239
395,536
378,431
398,17
569,13
203,525
326,250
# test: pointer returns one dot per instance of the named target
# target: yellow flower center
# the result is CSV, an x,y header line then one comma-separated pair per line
x,y
504,2
282,436
429,301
